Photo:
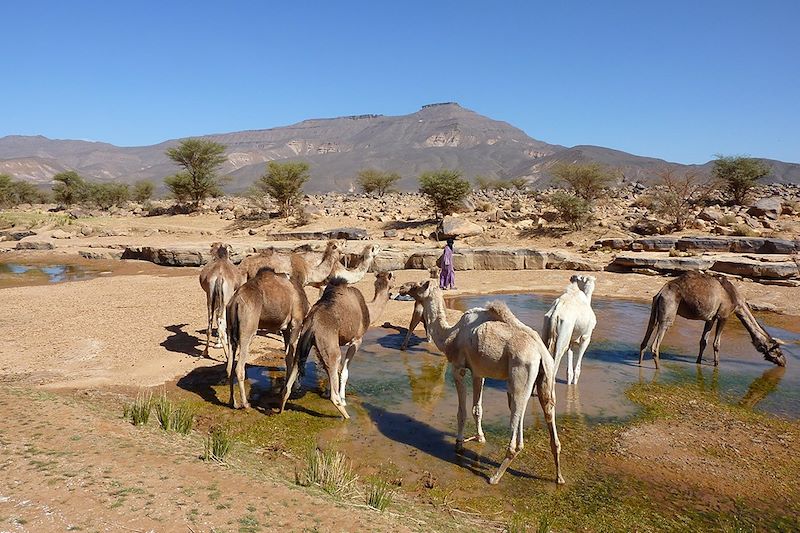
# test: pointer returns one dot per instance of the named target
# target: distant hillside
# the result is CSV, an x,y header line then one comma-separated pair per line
x,y
437,136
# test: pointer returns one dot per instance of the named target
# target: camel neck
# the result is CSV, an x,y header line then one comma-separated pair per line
x,y
758,335
378,304
439,328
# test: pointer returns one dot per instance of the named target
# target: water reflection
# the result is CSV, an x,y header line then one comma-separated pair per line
x,y
14,273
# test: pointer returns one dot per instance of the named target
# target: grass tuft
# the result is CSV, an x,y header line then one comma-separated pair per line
x,y
171,417
138,412
217,445
379,495
331,471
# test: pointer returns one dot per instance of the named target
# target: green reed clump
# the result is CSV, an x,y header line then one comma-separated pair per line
x,y
331,471
138,412
172,417
217,444
379,495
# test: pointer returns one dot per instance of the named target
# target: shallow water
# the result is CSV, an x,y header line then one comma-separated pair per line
x,y
409,397
16,274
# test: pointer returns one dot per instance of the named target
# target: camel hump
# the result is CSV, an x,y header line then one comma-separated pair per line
x,y
502,313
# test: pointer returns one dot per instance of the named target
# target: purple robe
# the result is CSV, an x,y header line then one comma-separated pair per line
x,y
447,277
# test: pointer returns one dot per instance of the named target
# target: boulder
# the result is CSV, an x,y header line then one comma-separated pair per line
x,y
648,226
767,207
614,244
453,227
101,254
16,235
61,234
499,259
34,245
711,214
390,233
558,260
390,260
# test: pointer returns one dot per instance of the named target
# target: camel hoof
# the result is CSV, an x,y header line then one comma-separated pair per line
x,y
459,447
560,480
494,480
481,439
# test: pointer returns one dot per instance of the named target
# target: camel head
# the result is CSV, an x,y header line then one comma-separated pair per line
x,y
220,250
334,246
411,288
384,280
584,283
427,290
370,252
772,351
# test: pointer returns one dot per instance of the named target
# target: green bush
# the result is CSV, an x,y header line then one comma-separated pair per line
x,y
739,174
377,181
142,191
107,195
573,210
587,180
445,189
138,412
14,192
283,182
70,188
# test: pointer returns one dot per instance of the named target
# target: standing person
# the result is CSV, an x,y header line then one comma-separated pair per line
x,y
447,278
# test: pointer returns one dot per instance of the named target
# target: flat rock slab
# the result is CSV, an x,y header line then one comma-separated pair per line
x,y
654,244
738,266
16,235
350,234
34,245
178,255
750,268
661,264
753,245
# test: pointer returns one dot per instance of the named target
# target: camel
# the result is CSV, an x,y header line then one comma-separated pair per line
x,y
294,264
268,301
414,289
493,343
339,318
701,296
354,275
219,279
571,321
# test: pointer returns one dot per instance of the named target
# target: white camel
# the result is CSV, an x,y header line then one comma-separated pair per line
x,y
571,321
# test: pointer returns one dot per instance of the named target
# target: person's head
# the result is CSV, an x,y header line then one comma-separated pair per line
x,y
450,242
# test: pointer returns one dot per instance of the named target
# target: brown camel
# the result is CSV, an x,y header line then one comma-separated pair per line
x,y
271,302
354,275
295,264
701,296
219,279
415,290
339,318
493,343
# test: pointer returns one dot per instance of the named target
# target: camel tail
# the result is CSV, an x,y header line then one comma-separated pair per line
x,y
304,344
218,303
233,329
504,314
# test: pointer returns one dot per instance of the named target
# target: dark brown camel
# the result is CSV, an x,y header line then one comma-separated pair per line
x,y
712,299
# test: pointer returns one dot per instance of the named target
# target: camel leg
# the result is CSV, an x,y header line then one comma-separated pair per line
x,y
718,338
570,371
584,344
663,326
241,361
563,341
477,406
292,368
520,388
648,333
333,378
351,351
458,377
415,320
704,339
210,323
547,400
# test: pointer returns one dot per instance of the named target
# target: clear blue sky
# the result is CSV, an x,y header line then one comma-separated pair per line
x,y
681,80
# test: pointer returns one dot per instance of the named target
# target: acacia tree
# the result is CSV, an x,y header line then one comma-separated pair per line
x,y
572,209
675,195
70,188
444,188
14,192
142,190
200,159
284,182
587,179
371,180
739,174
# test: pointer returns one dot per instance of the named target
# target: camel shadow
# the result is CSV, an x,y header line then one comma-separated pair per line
x,y
406,430
181,341
201,381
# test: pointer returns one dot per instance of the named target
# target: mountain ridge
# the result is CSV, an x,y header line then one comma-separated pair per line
x,y
440,135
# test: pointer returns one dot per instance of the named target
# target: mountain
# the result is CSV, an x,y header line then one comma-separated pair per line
x,y
437,136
